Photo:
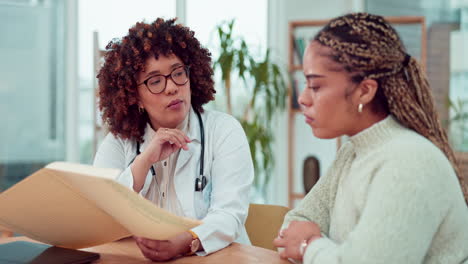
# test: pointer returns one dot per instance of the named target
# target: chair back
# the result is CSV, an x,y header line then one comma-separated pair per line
x,y
263,224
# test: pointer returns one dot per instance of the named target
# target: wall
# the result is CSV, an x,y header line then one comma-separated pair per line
x,y
438,65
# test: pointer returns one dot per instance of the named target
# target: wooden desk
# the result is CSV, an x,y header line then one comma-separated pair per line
x,y
126,251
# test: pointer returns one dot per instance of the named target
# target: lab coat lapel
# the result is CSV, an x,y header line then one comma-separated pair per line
x,y
147,137
187,167
194,146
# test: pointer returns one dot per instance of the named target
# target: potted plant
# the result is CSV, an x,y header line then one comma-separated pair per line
x,y
265,93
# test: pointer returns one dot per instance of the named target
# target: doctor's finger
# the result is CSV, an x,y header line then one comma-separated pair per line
x,y
164,246
152,244
166,137
144,250
176,138
279,242
153,254
181,134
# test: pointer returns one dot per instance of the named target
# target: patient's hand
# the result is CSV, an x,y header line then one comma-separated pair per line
x,y
294,235
162,250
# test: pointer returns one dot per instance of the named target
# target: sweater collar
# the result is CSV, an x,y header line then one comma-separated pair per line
x,y
375,135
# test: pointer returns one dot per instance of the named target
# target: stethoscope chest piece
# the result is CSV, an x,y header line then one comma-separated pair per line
x,y
200,183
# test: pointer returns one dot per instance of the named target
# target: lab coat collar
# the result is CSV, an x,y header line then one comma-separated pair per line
x,y
187,167
194,134
194,127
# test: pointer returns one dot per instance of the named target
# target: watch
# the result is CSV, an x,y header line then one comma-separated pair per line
x,y
194,245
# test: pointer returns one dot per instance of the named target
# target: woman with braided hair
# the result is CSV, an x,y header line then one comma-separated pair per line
x,y
193,163
393,194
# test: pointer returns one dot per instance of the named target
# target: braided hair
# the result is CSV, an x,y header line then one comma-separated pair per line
x,y
368,47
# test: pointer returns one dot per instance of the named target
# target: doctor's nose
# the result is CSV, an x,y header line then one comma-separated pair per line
x,y
171,87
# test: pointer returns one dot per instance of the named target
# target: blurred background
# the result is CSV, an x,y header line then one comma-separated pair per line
x,y
50,51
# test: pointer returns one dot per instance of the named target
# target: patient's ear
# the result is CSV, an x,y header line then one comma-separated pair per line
x,y
367,90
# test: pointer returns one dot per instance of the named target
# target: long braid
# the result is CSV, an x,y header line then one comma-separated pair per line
x,y
370,48
418,112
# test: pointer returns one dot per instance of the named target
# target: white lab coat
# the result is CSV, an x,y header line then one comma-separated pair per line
x,y
223,204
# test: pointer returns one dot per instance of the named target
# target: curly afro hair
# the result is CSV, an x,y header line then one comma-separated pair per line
x,y
124,58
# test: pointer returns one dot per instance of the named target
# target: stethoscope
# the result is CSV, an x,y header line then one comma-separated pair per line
x,y
200,181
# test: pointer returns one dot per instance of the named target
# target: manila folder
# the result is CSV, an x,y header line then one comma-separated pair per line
x,y
77,206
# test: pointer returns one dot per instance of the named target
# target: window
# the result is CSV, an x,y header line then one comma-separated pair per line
x,y
250,16
32,90
250,24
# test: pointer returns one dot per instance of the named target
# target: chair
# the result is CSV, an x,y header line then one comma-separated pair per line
x,y
263,224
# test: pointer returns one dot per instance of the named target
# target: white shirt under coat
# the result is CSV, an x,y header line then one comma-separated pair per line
x,y
161,190
224,202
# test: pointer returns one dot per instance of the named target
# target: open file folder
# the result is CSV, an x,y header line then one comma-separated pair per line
x,y
77,206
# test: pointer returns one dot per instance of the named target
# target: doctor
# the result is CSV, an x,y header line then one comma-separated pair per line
x,y
187,160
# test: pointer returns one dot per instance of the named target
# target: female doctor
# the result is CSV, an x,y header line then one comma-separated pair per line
x,y
189,161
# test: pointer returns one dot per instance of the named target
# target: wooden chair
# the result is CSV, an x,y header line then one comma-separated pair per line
x,y
263,224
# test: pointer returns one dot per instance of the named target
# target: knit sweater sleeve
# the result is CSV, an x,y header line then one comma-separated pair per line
x,y
406,202
314,207
317,204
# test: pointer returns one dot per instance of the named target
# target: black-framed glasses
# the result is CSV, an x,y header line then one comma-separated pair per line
x,y
157,84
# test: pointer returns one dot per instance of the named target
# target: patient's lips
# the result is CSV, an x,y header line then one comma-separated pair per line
x,y
309,120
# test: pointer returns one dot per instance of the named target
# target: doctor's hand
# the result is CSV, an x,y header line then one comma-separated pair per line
x,y
295,238
165,142
163,250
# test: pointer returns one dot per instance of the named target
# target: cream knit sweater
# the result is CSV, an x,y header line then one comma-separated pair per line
x,y
391,196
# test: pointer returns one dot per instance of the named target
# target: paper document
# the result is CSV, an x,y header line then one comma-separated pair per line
x,y
77,206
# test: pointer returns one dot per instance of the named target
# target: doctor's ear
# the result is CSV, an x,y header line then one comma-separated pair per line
x,y
367,90
141,109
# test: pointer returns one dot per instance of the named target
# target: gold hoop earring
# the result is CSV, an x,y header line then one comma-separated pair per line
x,y
359,109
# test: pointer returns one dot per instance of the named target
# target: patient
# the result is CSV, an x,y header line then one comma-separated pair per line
x,y
393,193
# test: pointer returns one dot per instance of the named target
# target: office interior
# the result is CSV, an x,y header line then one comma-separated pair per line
x,y
48,69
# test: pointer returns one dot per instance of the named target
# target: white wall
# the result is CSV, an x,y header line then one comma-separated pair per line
x,y
280,13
